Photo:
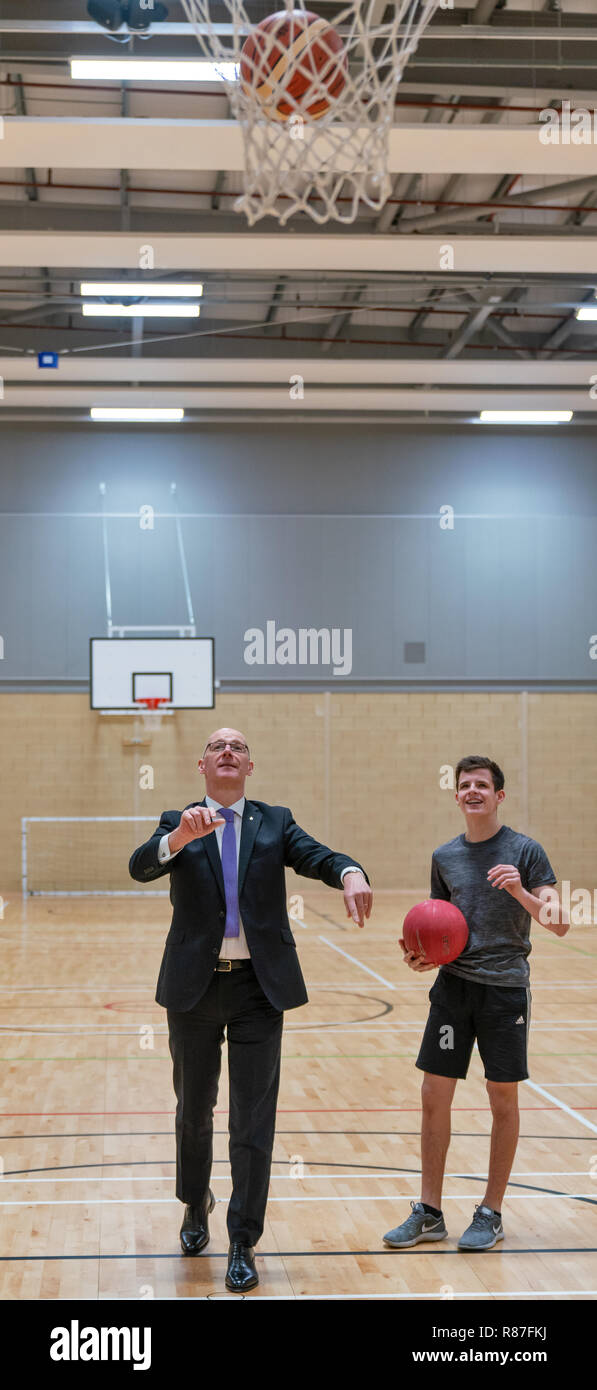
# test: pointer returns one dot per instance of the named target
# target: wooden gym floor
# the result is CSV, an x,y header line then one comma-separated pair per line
x,y
87,1117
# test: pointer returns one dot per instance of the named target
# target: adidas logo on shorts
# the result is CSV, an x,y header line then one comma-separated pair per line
x,y
520,1020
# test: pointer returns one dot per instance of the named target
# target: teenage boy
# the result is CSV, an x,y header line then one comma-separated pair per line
x,y
499,879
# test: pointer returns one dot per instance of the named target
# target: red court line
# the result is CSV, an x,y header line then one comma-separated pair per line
x,y
313,1110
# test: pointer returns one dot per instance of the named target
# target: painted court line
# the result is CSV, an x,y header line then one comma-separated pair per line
x,y
575,1115
391,1297
385,1197
384,1176
286,1110
313,984
354,960
334,984
297,921
74,1030
69,989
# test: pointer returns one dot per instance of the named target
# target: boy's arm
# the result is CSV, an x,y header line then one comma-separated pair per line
x,y
551,913
543,903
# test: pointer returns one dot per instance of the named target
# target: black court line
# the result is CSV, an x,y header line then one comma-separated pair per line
x,y
386,1008
333,921
304,1254
305,1133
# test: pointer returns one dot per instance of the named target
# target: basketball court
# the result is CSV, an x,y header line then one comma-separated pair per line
x,y
348,510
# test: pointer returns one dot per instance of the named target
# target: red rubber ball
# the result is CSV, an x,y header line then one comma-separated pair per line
x,y
436,930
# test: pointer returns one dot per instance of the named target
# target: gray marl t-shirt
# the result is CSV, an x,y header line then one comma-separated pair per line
x,y
499,926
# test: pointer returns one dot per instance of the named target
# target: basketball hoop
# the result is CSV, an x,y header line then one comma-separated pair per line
x,y
151,713
315,100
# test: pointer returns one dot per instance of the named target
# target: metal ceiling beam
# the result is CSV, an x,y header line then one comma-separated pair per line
x,y
484,10
576,218
456,180
471,90
569,326
469,400
21,105
341,321
477,29
276,298
417,324
472,325
158,220
447,192
275,370
406,186
274,253
45,309
573,188
496,328
113,143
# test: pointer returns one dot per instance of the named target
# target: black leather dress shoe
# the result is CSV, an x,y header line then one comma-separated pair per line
x,y
194,1232
241,1273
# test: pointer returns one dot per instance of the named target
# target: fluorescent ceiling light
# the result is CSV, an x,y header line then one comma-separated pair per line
x,y
157,70
137,311
141,287
136,412
525,417
587,315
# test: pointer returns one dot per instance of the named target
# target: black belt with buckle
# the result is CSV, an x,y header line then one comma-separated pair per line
x,y
226,965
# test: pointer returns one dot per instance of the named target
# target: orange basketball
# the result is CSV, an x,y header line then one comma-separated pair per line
x,y
291,62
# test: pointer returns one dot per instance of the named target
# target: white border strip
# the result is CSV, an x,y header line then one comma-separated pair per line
x,y
385,1197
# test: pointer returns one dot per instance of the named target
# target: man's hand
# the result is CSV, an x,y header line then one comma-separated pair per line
x,y
506,876
194,823
358,897
416,962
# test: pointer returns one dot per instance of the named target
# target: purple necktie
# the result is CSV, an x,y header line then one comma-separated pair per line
x,y
230,871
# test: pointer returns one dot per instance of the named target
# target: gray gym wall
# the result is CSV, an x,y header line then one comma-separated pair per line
x,y
506,597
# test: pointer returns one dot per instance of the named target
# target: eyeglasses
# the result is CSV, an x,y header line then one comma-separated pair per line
x,y
234,747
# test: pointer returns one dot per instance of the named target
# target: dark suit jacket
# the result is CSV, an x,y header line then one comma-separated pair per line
x,y
270,839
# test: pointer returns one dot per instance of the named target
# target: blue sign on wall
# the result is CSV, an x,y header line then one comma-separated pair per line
x,y
47,359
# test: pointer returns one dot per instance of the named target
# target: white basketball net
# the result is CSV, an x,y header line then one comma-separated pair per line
x,y
296,161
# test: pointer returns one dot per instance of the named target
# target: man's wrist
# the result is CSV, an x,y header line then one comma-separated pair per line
x,y
351,869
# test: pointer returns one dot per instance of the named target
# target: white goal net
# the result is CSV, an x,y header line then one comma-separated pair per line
x,y
83,856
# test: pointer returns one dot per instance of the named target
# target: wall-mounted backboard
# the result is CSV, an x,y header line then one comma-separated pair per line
x,y
126,670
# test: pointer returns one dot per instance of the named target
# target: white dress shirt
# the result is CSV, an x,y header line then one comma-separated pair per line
x,y
233,947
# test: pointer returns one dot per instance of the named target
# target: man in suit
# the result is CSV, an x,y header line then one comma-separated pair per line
x,y
230,962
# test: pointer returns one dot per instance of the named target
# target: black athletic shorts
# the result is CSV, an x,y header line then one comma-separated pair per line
x,y
462,1010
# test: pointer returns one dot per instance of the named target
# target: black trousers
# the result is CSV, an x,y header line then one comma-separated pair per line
x,y
234,1001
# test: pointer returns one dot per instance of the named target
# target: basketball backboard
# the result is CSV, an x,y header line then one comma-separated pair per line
x,y
126,670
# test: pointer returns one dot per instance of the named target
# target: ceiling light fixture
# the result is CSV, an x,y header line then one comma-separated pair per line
x,y
137,311
132,288
525,417
166,414
151,70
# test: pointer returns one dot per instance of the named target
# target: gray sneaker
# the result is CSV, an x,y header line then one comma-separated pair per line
x,y
421,1225
484,1231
